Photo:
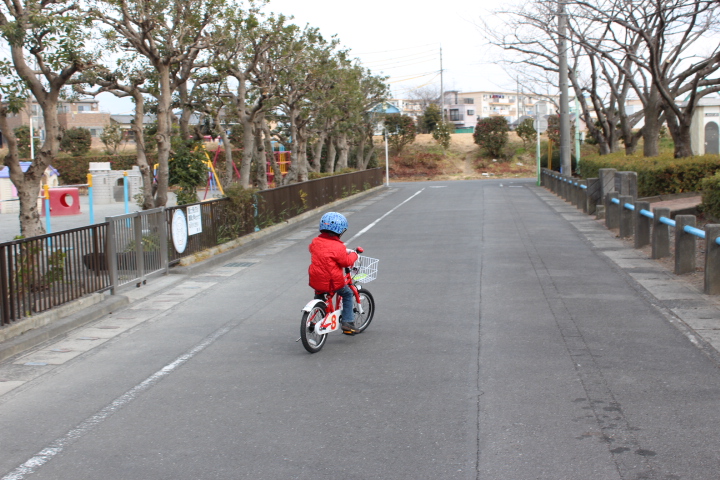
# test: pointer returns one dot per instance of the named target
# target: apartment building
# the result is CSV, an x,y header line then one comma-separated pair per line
x,y
412,108
465,108
83,113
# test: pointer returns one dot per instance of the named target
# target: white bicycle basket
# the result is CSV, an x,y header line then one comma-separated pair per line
x,y
365,269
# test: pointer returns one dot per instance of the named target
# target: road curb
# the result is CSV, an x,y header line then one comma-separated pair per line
x,y
55,323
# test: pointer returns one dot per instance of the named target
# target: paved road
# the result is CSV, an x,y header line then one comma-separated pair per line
x,y
505,346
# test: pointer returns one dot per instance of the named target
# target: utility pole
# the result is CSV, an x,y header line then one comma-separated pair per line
x,y
442,92
564,115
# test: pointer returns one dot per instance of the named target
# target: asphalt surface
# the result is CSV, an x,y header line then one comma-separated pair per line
x,y
514,339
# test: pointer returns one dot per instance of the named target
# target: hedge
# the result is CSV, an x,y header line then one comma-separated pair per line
x,y
661,175
710,188
74,170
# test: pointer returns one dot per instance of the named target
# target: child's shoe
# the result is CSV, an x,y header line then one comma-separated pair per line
x,y
349,328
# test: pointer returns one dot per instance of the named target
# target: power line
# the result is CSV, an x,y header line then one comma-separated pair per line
x,y
396,50
400,66
413,78
419,56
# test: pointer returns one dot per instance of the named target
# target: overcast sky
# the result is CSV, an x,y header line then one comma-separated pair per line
x,y
401,39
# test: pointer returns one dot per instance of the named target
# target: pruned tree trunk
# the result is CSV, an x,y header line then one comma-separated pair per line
x,y
679,126
332,153
248,153
227,147
344,150
260,159
141,161
653,123
27,184
317,152
164,99
270,153
360,154
185,113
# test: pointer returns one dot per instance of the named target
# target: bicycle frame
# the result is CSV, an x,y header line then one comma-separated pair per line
x,y
333,307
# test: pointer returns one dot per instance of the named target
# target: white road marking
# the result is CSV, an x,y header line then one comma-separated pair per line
x,y
388,213
57,446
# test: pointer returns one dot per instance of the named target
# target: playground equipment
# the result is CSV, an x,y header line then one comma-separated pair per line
x,y
110,184
8,193
62,201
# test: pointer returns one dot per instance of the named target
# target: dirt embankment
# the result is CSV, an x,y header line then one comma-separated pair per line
x,y
426,160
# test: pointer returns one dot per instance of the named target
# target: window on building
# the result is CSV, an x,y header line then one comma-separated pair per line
x,y
468,101
62,109
471,112
512,99
83,108
95,132
455,115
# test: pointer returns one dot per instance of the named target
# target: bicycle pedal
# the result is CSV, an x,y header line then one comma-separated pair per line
x,y
348,333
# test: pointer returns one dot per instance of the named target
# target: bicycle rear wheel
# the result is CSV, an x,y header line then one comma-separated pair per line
x,y
312,341
368,304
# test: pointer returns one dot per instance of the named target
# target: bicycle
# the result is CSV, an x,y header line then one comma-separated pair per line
x,y
323,315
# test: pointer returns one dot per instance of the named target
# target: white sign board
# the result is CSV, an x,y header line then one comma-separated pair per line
x,y
540,124
179,231
194,220
541,108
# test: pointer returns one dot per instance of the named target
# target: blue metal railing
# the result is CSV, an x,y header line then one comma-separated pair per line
x,y
646,213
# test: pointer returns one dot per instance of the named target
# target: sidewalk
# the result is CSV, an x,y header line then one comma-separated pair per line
x,y
67,317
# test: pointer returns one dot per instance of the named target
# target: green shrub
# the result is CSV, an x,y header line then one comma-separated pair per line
x,y
441,134
74,170
76,141
661,175
22,134
401,131
491,134
710,188
238,214
526,132
187,170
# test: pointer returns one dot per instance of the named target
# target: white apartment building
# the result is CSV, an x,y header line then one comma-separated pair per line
x,y
412,108
465,108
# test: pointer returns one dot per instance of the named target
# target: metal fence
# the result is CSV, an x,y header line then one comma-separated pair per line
x,y
39,273
137,246
220,223
279,204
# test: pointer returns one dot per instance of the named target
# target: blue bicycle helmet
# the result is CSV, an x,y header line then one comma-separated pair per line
x,y
334,222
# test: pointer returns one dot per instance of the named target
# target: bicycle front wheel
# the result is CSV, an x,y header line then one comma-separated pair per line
x,y
311,340
368,305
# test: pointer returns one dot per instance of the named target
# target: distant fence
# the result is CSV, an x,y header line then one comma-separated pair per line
x,y
40,273
613,195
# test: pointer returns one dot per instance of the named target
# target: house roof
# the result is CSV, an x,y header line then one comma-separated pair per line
x,y
127,119
5,171
385,107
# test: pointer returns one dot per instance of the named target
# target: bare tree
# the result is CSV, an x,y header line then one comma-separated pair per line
x,y
665,49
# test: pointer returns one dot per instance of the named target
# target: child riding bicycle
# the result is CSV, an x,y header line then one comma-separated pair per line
x,y
328,259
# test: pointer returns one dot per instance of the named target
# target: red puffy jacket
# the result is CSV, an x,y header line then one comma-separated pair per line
x,y
328,258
